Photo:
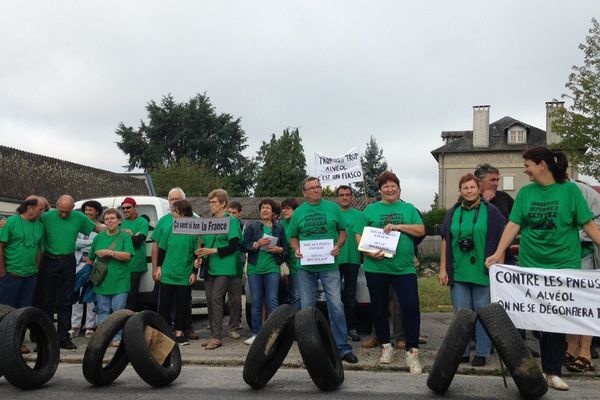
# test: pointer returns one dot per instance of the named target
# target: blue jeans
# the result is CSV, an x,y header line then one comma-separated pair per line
x,y
263,287
294,290
17,291
349,272
108,304
332,287
407,290
474,297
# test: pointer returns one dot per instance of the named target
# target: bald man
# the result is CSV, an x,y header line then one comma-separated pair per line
x,y
57,274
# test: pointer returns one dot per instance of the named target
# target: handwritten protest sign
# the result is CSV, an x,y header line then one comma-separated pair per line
x,y
200,226
340,170
375,239
316,252
550,300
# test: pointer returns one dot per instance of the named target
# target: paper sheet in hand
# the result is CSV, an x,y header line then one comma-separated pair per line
x,y
316,252
272,243
375,239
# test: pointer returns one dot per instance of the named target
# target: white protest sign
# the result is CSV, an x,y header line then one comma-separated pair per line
x,y
375,239
340,170
200,226
272,241
549,300
316,252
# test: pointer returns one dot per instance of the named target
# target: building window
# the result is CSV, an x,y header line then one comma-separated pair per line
x,y
517,135
508,183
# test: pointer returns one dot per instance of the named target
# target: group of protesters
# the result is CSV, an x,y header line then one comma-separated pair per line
x,y
47,256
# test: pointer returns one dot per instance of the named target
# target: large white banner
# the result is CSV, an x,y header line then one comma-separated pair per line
x,y
340,170
550,300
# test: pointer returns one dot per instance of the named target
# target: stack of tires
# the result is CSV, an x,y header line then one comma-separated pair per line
x,y
315,342
132,349
511,348
14,323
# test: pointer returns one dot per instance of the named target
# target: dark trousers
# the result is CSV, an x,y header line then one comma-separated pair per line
x,y
179,296
552,352
133,297
406,289
56,280
349,274
17,291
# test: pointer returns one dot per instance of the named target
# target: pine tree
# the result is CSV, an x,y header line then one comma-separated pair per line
x,y
373,164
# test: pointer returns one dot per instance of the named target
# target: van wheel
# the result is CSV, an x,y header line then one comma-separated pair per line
x,y
270,347
318,349
153,373
12,331
453,346
513,350
93,359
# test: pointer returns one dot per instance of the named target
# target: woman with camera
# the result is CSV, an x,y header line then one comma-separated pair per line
x,y
471,231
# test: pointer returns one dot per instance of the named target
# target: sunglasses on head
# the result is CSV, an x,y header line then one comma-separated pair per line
x,y
126,208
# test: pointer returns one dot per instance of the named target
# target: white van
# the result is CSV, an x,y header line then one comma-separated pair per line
x,y
153,208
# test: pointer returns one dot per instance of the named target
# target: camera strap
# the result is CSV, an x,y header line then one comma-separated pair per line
x,y
460,219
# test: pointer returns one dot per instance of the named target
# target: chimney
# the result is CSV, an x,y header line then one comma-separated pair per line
x,y
481,126
551,107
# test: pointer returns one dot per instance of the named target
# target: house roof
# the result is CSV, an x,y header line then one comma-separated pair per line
x,y
463,142
250,205
25,173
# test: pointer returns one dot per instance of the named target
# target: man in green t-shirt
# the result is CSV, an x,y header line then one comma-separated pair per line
x,y
349,258
20,253
319,219
137,228
57,276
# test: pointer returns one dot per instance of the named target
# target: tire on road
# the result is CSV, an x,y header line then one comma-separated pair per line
x,y
93,367
513,350
270,347
318,349
12,364
4,311
139,354
453,346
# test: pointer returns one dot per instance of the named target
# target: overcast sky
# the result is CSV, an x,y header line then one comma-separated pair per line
x,y
71,71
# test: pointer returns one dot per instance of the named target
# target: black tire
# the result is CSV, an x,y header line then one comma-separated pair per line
x,y
318,349
270,347
139,354
12,331
4,311
453,346
513,350
93,359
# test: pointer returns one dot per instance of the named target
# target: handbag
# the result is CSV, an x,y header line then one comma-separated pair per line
x,y
100,266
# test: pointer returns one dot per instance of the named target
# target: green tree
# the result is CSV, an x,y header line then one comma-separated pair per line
x,y
433,220
191,131
195,180
373,164
579,126
281,165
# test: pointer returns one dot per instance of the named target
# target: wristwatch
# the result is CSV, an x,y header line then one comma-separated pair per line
x,y
112,254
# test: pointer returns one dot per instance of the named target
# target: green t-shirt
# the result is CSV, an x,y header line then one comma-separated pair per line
x,y
292,261
137,226
349,253
164,224
378,215
179,259
265,262
22,241
464,269
60,233
316,221
118,276
550,217
227,265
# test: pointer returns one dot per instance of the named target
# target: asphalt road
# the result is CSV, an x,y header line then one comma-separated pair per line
x,y
200,382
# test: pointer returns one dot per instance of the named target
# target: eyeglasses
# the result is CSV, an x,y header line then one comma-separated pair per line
x,y
126,208
313,188
213,202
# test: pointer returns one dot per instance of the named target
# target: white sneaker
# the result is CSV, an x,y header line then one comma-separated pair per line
x,y
250,340
387,354
73,333
412,360
556,382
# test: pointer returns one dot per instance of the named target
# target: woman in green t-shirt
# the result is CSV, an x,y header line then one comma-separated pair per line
x,y
548,212
265,243
470,232
176,272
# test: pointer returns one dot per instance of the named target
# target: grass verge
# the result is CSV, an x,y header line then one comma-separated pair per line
x,y
433,297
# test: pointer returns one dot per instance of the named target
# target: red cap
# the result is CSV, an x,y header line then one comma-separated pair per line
x,y
130,201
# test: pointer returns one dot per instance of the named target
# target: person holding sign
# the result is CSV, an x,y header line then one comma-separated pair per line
x,y
176,272
265,243
471,231
222,254
383,268
548,213
317,232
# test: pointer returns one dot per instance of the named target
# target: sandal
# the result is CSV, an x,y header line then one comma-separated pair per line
x,y
569,359
581,364
213,343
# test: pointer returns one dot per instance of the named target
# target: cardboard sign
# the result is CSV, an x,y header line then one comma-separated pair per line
x,y
160,345
315,252
200,226
375,239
